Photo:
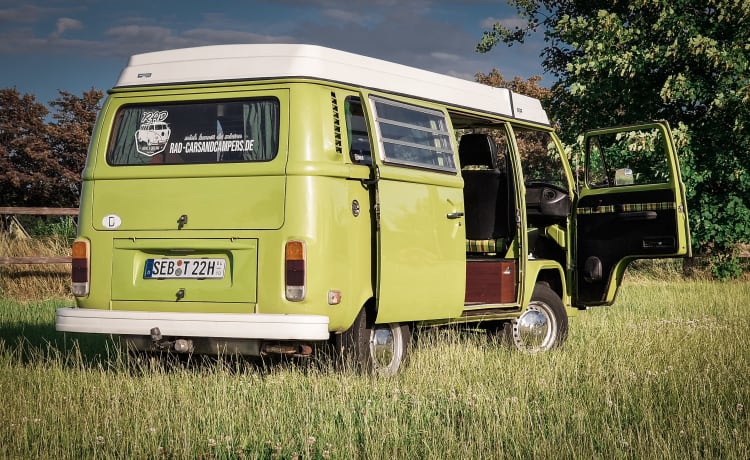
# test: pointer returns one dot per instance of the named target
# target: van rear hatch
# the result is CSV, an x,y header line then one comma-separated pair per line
x,y
183,186
185,269
189,203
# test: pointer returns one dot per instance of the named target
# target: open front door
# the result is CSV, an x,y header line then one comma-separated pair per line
x,y
631,205
421,237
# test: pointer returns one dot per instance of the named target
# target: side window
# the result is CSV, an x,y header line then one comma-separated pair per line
x,y
356,130
413,136
626,158
541,160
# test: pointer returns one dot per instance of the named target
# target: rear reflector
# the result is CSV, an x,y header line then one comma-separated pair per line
x,y
81,271
294,263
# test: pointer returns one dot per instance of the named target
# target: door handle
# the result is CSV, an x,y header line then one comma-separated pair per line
x,y
454,215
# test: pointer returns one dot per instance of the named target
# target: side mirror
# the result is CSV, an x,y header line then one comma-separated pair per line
x,y
624,176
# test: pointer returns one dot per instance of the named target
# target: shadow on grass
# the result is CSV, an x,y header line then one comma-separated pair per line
x,y
40,344
32,343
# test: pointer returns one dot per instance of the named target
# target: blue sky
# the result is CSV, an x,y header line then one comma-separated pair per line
x,y
52,45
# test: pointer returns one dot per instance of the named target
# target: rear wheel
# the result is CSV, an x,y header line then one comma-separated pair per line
x,y
374,348
542,326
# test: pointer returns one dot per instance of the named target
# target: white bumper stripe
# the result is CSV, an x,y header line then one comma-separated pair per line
x,y
224,325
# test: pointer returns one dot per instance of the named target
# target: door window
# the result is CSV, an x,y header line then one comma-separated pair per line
x,y
627,158
413,136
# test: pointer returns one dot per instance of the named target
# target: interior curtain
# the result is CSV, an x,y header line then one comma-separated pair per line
x,y
123,151
261,119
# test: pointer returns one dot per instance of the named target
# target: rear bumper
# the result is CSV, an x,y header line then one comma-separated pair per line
x,y
214,325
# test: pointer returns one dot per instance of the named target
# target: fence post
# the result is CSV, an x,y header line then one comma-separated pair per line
x,y
8,222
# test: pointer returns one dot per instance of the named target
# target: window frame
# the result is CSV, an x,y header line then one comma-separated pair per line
x,y
159,105
349,116
613,165
530,175
448,151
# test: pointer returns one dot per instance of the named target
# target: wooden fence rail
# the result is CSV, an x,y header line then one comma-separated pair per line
x,y
13,211
34,260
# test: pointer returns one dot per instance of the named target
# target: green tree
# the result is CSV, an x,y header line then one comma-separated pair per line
x,y
686,61
532,146
41,162
70,134
528,87
24,166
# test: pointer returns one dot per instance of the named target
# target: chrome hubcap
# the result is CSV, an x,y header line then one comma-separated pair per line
x,y
535,330
386,348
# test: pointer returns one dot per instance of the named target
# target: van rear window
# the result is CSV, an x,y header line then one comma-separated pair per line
x,y
198,132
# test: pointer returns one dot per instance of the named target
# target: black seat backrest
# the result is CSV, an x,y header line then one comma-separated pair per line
x,y
482,188
485,192
477,150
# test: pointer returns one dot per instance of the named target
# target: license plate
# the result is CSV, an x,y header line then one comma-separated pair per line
x,y
184,268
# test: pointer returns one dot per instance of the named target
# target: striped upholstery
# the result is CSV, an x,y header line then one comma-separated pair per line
x,y
628,207
485,246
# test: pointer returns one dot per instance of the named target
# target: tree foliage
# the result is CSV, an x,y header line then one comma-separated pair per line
x,y
686,61
528,87
41,161
532,145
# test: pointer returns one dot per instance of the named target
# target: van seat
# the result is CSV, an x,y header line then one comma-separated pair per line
x,y
485,194
478,150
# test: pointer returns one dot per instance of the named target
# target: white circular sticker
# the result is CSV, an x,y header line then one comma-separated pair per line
x,y
111,221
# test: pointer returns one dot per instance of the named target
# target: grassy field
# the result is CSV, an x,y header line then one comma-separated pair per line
x,y
34,282
663,374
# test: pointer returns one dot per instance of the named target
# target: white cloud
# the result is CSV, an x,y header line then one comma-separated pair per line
x,y
445,56
222,37
144,34
133,39
66,24
25,14
346,16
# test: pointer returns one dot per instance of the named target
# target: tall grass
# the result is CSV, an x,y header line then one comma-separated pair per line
x,y
35,282
663,374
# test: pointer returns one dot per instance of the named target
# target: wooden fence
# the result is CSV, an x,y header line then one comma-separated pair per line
x,y
14,211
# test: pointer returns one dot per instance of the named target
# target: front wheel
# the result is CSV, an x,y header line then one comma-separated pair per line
x,y
542,326
374,348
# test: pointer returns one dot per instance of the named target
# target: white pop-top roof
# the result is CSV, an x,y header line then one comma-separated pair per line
x,y
246,62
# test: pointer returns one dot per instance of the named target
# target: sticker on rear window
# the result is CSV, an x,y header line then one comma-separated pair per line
x,y
153,134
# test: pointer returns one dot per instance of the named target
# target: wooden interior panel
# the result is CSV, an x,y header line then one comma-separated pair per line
x,y
490,281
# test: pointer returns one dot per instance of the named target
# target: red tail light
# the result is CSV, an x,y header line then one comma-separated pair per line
x,y
294,263
81,271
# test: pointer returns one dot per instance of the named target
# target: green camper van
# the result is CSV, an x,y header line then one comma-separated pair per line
x,y
268,199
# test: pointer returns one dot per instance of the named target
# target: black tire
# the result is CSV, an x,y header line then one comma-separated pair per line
x,y
370,348
542,326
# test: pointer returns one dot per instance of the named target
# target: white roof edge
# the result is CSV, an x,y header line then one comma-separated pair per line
x,y
255,61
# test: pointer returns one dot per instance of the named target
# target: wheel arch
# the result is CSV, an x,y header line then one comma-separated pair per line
x,y
346,319
550,273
